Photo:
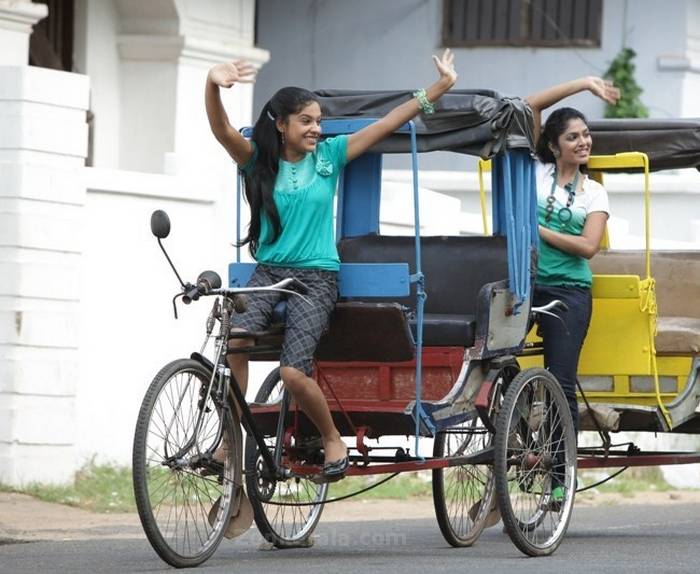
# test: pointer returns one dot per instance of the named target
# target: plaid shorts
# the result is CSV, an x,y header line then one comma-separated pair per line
x,y
305,322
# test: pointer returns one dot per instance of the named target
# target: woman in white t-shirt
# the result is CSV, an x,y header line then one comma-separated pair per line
x,y
572,211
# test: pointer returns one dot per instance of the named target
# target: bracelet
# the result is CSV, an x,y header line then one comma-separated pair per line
x,y
423,102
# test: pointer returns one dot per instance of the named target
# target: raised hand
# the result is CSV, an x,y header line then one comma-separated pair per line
x,y
445,65
604,89
229,73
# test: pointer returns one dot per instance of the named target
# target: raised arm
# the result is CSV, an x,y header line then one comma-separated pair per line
x,y
539,101
224,76
361,141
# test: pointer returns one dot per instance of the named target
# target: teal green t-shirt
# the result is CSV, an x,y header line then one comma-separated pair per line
x,y
554,266
304,195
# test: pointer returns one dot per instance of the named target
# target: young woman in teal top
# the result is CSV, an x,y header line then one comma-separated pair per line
x,y
290,181
572,213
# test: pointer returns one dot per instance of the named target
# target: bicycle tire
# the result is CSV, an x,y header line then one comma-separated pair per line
x,y
462,495
176,501
534,450
282,526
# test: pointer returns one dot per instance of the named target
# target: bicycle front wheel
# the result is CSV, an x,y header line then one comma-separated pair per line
x,y
286,511
183,493
535,462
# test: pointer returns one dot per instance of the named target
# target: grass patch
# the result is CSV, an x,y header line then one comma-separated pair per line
x,y
108,488
98,488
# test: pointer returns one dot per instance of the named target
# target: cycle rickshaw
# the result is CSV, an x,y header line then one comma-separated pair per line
x,y
640,365
425,341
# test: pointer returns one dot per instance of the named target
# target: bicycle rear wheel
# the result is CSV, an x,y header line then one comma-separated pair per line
x,y
283,526
463,495
182,495
534,460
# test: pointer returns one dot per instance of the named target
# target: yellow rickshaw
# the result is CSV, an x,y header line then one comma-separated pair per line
x,y
640,365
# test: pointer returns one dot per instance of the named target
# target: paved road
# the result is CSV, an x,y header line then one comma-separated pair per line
x,y
620,539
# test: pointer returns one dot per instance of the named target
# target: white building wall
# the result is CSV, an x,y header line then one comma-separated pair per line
x,y
96,54
366,44
43,143
167,159
85,311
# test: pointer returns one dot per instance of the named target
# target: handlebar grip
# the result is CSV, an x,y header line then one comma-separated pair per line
x,y
191,294
206,281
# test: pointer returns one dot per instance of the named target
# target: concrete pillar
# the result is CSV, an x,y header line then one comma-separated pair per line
x,y
43,144
16,20
166,49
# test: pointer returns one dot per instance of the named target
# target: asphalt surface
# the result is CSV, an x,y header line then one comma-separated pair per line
x,y
634,539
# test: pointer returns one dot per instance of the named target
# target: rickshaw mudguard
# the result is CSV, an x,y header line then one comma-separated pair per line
x,y
458,405
501,327
687,406
468,396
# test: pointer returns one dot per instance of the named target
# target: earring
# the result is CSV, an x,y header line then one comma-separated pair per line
x,y
282,137
556,153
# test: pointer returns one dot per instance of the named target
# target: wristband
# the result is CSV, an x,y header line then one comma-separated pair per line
x,y
423,102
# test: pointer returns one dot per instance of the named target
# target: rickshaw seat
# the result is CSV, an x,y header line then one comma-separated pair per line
x,y
446,330
455,269
677,275
372,332
678,336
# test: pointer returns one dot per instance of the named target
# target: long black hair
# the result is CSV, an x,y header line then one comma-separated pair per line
x,y
555,125
260,180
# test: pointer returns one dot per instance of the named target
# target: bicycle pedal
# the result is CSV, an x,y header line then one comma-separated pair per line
x,y
320,478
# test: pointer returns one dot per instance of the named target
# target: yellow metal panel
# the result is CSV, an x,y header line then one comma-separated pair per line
x,y
615,287
533,361
625,160
618,338
678,367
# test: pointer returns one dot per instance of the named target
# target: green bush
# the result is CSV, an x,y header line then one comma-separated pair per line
x,y
621,72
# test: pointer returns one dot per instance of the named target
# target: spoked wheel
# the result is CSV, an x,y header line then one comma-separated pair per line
x,y
183,496
463,495
535,462
282,508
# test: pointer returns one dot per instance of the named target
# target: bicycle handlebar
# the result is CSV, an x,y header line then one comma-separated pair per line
x,y
209,283
546,309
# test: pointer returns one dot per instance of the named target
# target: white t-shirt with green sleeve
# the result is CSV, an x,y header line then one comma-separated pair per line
x,y
554,266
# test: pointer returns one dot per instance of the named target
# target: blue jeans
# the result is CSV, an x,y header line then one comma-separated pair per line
x,y
561,348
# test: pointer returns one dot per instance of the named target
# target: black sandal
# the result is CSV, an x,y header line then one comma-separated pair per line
x,y
336,469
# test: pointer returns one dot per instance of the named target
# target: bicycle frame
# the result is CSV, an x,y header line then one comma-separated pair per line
x,y
226,310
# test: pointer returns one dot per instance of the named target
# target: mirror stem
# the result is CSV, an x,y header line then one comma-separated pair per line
x,y
171,263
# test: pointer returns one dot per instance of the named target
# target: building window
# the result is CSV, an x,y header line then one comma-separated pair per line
x,y
520,23
51,42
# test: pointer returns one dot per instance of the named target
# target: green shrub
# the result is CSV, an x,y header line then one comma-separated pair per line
x,y
621,72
